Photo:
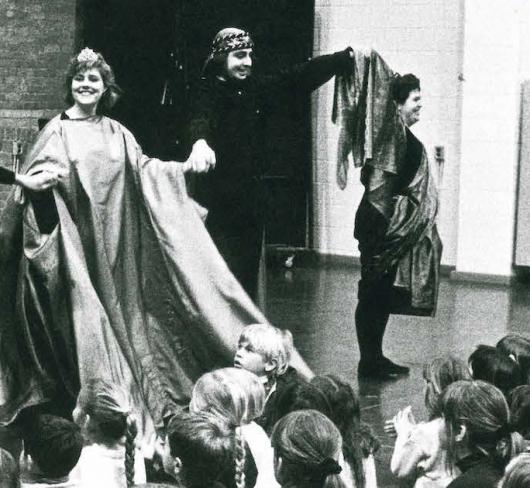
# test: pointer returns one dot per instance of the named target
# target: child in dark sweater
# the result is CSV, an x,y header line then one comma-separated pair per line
x,y
266,351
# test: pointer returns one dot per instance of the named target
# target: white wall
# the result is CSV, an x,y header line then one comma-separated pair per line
x,y
419,36
495,62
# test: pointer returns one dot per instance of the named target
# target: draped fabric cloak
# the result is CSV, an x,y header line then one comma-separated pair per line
x,y
123,281
373,132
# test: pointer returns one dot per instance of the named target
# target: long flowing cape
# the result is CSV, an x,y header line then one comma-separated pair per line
x,y
372,131
125,284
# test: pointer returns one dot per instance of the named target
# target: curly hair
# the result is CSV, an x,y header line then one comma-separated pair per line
x,y
112,90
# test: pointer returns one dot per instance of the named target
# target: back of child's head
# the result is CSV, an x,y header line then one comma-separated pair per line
x,y
205,446
438,374
519,401
307,449
234,395
301,395
104,410
54,444
517,473
487,363
358,442
273,344
9,471
482,410
517,347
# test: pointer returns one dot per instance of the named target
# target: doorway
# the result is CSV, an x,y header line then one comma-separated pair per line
x,y
157,48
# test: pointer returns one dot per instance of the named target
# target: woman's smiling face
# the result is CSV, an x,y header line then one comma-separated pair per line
x,y
87,88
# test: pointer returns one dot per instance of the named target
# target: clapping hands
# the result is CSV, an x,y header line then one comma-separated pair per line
x,y
402,422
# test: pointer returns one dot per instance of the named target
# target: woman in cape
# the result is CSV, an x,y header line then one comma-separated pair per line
x,y
111,274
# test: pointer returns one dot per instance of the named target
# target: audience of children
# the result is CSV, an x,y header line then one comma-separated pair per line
x,y
52,447
478,422
109,457
307,451
420,451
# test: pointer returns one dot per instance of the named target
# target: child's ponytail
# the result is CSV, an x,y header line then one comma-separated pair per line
x,y
239,458
130,447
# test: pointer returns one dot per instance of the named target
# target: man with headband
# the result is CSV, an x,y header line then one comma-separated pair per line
x,y
227,129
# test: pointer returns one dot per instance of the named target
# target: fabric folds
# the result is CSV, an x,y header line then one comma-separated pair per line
x,y
123,282
374,135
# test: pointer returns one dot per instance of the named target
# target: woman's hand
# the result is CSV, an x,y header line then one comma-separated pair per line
x,y
202,158
41,178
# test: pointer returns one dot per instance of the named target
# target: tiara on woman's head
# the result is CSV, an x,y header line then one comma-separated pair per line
x,y
87,55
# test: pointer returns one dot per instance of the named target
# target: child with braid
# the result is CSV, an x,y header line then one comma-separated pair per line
x,y
109,457
307,451
236,397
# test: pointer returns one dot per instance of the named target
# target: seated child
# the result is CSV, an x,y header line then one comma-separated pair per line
x,y
52,447
236,397
358,442
201,450
420,451
487,363
307,451
9,473
517,347
266,351
478,433
517,474
110,457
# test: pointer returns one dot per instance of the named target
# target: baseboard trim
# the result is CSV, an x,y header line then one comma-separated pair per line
x,y
488,279
306,257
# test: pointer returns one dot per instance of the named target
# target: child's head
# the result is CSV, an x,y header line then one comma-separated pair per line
x,y
235,395
345,413
201,449
9,472
519,401
54,445
103,411
264,350
476,419
488,364
517,473
518,348
307,450
438,374
301,395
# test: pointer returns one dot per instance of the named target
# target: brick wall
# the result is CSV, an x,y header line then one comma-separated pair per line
x,y
37,42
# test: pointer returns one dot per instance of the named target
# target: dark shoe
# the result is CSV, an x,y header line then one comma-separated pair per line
x,y
380,369
394,368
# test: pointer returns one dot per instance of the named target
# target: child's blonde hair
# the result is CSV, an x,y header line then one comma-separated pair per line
x,y
235,397
108,406
272,343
